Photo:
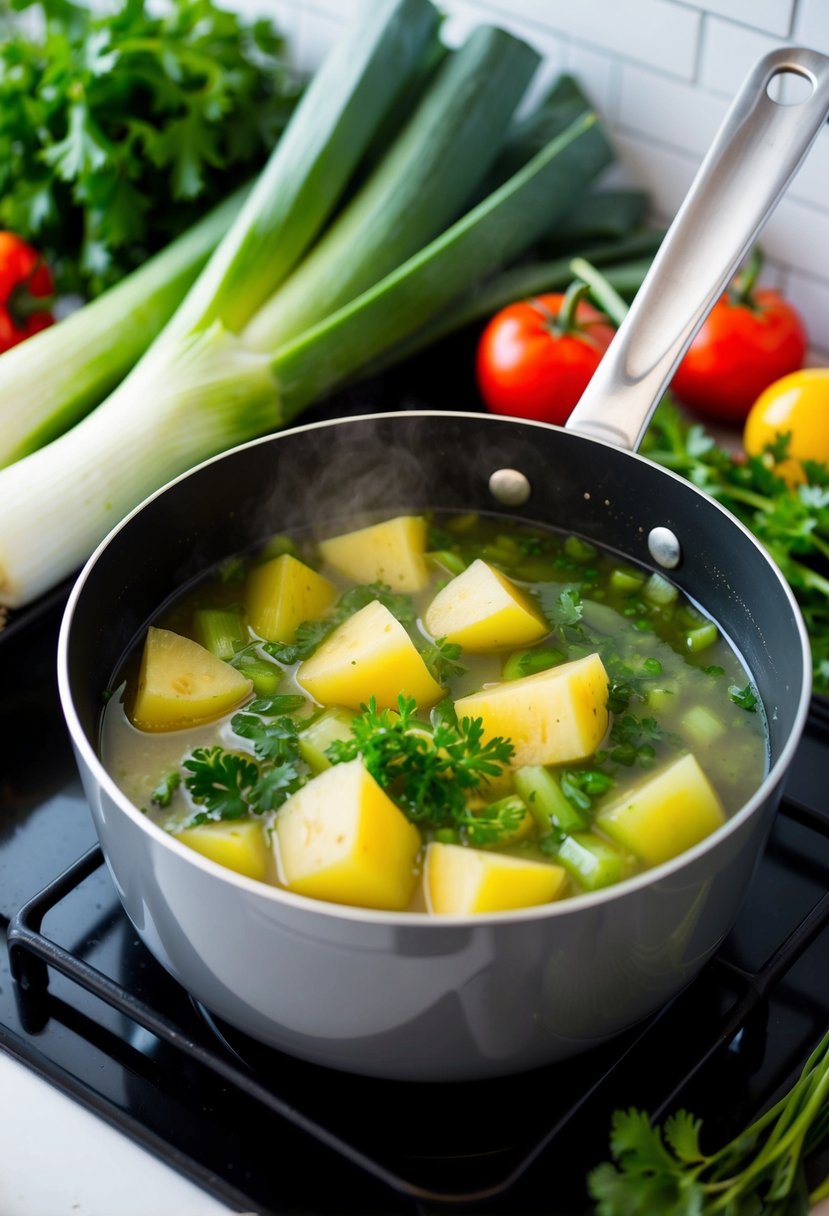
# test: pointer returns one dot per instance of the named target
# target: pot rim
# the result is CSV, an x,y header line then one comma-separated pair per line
x,y
426,921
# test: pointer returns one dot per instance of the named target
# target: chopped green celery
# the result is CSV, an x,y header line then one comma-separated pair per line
x,y
542,794
702,725
266,676
660,697
579,550
528,662
701,637
220,630
332,724
626,581
446,560
593,862
658,590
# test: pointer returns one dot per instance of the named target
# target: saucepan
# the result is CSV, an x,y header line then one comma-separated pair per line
x,y
408,995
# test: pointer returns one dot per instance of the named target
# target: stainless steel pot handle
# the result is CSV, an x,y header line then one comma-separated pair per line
x,y
756,153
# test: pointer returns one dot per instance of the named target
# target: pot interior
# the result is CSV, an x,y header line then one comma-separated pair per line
x,y
329,474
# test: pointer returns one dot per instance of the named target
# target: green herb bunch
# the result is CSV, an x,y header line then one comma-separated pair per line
x,y
761,1171
119,127
791,522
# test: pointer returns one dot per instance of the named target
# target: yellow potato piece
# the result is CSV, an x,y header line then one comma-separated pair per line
x,y
370,654
482,610
342,839
553,717
392,552
240,845
284,592
463,881
666,815
180,683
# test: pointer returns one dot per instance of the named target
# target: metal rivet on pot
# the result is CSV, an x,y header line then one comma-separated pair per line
x,y
664,548
510,487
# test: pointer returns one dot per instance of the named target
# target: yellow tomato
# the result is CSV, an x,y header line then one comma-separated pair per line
x,y
797,405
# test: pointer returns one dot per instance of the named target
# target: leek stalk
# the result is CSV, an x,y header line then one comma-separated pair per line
x,y
419,187
332,127
49,382
201,388
500,228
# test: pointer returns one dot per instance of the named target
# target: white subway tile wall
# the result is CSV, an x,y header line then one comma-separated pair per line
x,y
661,73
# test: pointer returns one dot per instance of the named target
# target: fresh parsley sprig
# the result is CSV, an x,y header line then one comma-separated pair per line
x,y
792,522
220,781
120,124
428,769
762,1170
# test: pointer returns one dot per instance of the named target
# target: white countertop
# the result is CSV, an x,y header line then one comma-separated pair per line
x,y
59,1159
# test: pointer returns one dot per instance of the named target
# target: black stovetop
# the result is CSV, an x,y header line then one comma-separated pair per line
x,y
95,1013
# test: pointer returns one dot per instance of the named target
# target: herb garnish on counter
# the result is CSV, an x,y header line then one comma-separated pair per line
x,y
762,1170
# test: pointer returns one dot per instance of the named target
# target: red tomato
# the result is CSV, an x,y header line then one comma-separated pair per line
x,y
535,357
749,340
26,291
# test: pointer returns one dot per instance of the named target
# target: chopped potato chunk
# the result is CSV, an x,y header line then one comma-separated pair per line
x,y
553,717
181,684
341,838
482,610
666,814
392,552
370,654
460,880
241,845
284,592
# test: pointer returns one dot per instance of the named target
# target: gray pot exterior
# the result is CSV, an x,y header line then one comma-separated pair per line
x,y
408,996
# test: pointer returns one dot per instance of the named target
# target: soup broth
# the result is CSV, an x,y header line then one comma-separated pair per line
x,y
457,714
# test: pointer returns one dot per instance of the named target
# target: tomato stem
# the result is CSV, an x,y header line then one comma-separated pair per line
x,y
741,290
565,321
